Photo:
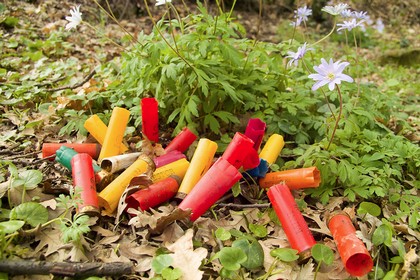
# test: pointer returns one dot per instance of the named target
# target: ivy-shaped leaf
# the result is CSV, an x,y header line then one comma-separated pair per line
x,y
32,213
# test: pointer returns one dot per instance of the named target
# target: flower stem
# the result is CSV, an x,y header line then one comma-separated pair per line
x,y
164,39
338,117
108,38
326,36
115,19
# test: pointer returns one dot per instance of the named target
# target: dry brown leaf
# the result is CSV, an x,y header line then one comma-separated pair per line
x,y
410,258
281,270
186,258
305,272
170,234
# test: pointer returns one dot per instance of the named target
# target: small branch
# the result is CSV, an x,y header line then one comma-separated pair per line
x,y
66,269
79,84
256,205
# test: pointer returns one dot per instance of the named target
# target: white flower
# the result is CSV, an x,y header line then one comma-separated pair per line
x,y
335,10
75,19
360,15
329,73
296,56
303,13
162,2
379,26
346,13
349,25
296,23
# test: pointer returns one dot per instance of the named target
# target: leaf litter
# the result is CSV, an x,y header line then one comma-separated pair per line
x,y
139,237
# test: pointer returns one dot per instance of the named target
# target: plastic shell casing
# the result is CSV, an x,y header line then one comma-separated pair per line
x,y
292,221
212,186
150,118
295,178
84,177
353,252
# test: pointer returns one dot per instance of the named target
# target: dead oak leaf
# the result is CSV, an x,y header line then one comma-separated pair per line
x,y
186,258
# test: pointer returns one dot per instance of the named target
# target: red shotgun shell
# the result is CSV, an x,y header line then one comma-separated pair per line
x,y
255,131
155,194
84,177
182,141
292,221
150,118
353,252
213,185
168,158
93,149
241,153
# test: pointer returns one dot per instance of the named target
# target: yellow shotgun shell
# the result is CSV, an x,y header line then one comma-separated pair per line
x,y
200,163
272,148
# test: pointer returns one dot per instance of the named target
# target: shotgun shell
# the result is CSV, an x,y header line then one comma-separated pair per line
x,y
182,141
353,252
178,168
64,155
93,149
221,176
115,133
84,177
255,131
293,223
294,179
200,163
272,148
168,158
154,195
120,162
97,129
110,196
258,171
150,118
241,153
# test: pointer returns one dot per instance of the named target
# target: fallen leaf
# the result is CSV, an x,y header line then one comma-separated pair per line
x,y
186,258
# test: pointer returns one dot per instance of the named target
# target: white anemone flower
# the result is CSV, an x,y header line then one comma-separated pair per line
x,y
335,10
75,19
162,2
349,25
330,73
296,56
303,13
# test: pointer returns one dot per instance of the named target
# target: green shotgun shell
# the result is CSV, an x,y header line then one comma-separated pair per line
x,y
64,156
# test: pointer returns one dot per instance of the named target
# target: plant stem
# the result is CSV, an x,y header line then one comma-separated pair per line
x,y
115,19
317,269
164,39
338,117
326,36
231,10
109,39
357,63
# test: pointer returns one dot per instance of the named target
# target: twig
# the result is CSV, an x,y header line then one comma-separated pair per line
x,y
66,269
88,77
256,205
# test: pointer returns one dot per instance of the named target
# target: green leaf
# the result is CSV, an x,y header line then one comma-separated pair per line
x,y
32,213
161,262
285,254
322,253
223,234
236,189
213,123
382,235
231,258
29,179
8,227
258,230
171,273
253,250
369,207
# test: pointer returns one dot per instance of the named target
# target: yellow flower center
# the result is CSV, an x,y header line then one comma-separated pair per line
x,y
331,76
